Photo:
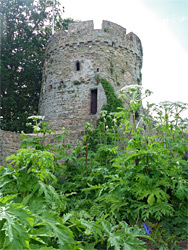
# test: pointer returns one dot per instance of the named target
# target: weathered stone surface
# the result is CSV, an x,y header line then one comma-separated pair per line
x,y
72,61
9,144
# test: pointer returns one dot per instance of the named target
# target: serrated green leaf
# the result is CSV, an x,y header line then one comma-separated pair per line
x,y
63,233
66,217
44,231
16,236
37,239
15,219
113,241
106,226
7,198
126,246
89,246
4,182
30,220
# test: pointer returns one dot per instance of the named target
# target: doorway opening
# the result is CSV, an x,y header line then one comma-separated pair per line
x,y
93,101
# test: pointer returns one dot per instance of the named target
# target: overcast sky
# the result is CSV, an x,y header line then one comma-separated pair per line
x,y
162,26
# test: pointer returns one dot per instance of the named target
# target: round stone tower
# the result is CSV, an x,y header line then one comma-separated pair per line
x,y
70,93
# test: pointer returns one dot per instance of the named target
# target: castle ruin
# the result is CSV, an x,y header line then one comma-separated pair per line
x,y
70,93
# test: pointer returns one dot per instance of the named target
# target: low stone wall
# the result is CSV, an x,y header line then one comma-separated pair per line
x,y
9,144
10,141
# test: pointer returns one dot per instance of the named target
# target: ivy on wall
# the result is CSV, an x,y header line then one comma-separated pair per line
x,y
113,102
106,121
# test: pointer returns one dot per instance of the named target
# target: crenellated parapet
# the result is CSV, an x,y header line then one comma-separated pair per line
x,y
85,26
84,34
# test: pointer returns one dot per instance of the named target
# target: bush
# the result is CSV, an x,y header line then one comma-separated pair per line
x,y
132,186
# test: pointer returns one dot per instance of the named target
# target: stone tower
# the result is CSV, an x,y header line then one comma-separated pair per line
x,y
70,94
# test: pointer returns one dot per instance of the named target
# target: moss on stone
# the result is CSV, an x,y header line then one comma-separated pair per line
x,y
77,82
111,68
106,30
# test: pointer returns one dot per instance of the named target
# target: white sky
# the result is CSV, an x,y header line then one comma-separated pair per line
x,y
165,60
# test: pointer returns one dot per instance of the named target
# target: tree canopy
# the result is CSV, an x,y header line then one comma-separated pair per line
x,y
25,30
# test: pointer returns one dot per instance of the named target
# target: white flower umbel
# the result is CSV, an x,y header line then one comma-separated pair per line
x,y
36,117
131,88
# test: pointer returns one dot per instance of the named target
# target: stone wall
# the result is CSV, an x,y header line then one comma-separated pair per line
x,y
66,91
9,144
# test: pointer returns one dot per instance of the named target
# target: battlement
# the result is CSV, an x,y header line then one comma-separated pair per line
x,y
84,34
80,26
88,26
113,28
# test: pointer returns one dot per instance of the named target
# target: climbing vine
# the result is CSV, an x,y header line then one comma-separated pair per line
x,y
107,121
113,102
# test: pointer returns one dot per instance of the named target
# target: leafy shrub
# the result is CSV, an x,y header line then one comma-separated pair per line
x,y
98,198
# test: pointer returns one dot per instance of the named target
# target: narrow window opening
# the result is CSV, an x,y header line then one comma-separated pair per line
x,y
98,69
113,44
50,87
93,101
77,66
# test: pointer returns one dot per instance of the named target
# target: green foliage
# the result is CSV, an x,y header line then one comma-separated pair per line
x,y
62,197
95,195
77,82
113,103
111,68
106,30
107,124
14,219
63,24
24,36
